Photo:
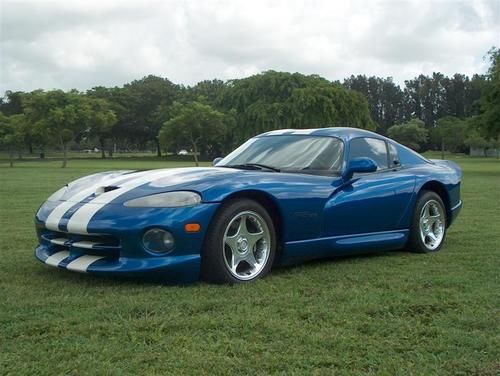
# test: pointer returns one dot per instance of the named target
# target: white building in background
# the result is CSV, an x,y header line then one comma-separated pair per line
x,y
481,152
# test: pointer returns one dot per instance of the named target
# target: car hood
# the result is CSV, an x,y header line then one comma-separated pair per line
x,y
211,182
116,184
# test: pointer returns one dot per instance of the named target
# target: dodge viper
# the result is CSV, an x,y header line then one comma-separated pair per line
x,y
280,198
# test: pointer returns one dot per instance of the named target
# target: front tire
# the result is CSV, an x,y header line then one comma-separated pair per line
x,y
428,228
240,245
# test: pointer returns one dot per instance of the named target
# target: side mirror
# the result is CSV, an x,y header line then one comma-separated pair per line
x,y
216,160
361,164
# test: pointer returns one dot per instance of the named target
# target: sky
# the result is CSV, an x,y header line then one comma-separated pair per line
x,y
81,44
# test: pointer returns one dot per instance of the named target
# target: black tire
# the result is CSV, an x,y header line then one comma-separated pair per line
x,y
214,267
415,242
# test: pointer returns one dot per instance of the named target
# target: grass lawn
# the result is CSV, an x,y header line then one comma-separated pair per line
x,y
391,313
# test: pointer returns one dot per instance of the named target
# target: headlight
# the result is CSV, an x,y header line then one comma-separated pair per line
x,y
166,200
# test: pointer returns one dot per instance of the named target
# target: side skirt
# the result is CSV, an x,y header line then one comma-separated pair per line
x,y
300,250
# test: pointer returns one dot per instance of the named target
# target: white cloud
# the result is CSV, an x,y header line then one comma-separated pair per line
x,y
80,44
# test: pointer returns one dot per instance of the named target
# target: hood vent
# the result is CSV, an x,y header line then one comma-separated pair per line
x,y
101,190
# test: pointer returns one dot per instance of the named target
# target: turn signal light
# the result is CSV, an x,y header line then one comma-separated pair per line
x,y
192,227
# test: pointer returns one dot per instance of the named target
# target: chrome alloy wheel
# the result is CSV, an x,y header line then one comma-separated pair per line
x,y
432,224
246,245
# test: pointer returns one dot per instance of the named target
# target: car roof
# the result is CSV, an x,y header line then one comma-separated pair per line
x,y
344,133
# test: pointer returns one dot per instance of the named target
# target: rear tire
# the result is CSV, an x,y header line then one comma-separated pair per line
x,y
240,245
428,227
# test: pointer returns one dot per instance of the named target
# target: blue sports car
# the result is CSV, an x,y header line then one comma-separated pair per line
x,y
282,197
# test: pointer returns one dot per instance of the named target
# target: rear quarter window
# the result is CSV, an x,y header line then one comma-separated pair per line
x,y
410,157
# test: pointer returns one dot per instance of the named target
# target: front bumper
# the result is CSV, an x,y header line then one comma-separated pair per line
x,y
113,243
177,269
454,212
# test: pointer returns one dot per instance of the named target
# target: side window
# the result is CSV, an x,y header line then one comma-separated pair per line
x,y
393,156
370,148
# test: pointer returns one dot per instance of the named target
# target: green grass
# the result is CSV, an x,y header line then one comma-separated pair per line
x,y
392,313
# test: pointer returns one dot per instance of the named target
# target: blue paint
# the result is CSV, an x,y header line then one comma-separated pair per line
x,y
321,215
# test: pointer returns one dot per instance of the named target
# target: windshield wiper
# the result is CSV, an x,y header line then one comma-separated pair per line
x,y
257,166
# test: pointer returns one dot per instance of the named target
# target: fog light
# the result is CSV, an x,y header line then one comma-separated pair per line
x,y
158,240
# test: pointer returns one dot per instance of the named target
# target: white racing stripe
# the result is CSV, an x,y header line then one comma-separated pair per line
x,y
52,222
82,263
278,132
303,131
84,244
56,258
59,241
79,221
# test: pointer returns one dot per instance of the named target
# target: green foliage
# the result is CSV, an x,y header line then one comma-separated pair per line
x,y
11,103
132,115
451,133
11,133
385,99
475,140
489,119
274,100
412,133
425,97
101,121
62,116
145,100
193,124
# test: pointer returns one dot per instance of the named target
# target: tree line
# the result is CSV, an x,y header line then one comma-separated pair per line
x,y
213,116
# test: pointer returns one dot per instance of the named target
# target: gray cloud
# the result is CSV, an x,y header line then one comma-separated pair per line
x,y
81,44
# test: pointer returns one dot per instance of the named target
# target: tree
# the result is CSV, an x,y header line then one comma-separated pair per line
x,y
475,140
274,100
11,134
211,90
143,99
385,99
412,133
117,101
192,123
62,116
11,103
101,121
450,132
489,118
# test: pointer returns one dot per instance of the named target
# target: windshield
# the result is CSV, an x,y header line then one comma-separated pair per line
x,y
289,153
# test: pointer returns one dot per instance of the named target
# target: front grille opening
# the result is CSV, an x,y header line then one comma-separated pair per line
x,y
101,245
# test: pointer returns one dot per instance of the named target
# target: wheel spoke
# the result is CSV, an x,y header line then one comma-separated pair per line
x,y
427,212
432,237
250,259
235,261
242,227
253,238
431,221
231,242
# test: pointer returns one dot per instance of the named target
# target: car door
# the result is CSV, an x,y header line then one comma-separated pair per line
x,y
374,202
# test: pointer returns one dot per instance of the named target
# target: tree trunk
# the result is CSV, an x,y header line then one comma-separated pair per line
x,y
65,155
158,147
11,158
442,149
195,152
30,146
103,153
